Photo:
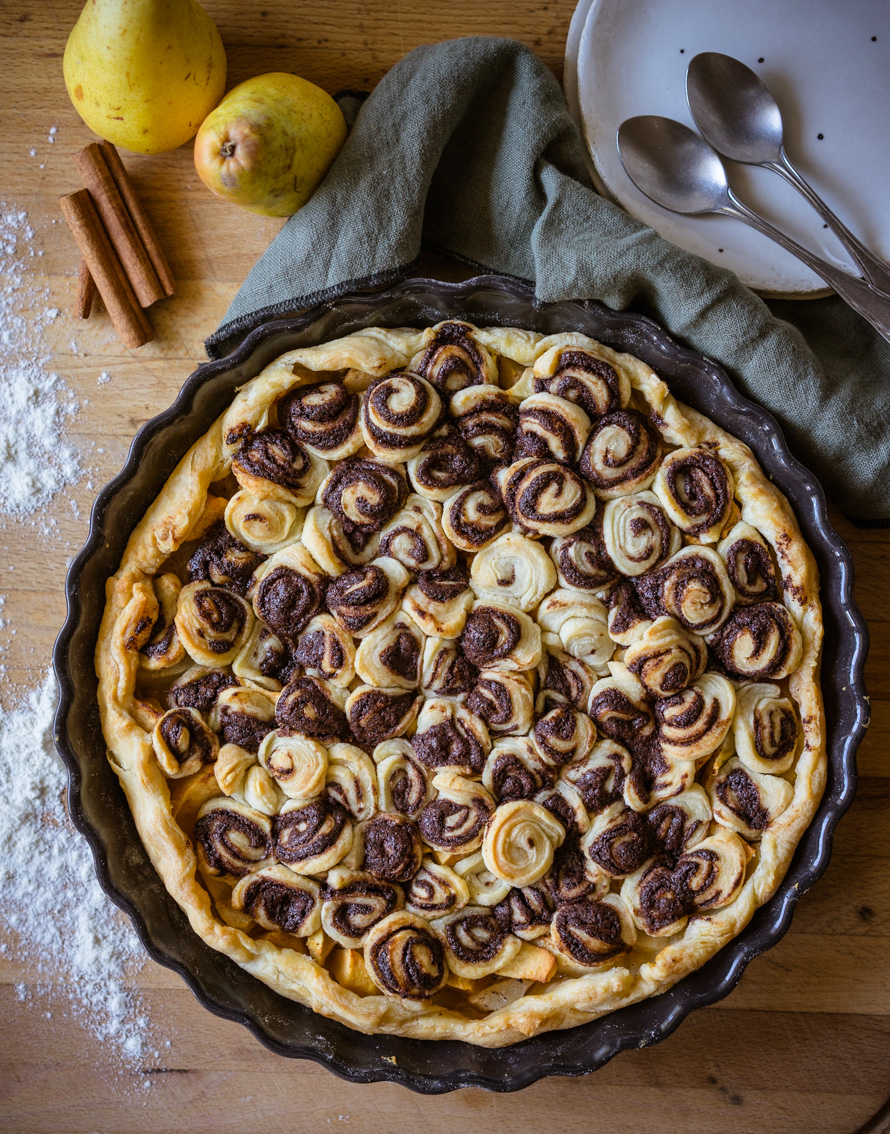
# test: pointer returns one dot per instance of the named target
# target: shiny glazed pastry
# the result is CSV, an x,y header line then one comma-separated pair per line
x,y
463,684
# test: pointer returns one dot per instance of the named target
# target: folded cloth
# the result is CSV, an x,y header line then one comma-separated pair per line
x,y
467,147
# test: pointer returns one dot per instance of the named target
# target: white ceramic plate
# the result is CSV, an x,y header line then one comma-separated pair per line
x,y
830,77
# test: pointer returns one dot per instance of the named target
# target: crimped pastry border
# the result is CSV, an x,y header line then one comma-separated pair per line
x,y
174,517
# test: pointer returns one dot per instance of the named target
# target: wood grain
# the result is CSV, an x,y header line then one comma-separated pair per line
x,y
800,1045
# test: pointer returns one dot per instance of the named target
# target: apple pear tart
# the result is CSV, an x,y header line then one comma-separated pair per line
x,y
463,684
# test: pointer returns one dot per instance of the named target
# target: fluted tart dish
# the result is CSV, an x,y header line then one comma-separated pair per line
x,y
463,684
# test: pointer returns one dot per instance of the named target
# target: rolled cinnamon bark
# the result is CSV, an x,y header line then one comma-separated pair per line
x,y
140,218
86,291
106,269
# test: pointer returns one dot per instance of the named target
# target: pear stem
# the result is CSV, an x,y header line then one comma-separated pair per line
x,y
227,149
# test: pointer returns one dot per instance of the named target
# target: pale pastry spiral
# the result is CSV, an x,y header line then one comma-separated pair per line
x,y
551,427
404,958
363,495
259,791
232,838
264,659
439,602
621,455
313,707
221,559
544,498
354,902
582,561
696,488
455,819
563,679
637,534
476,944
486,889
312,837
692,587
749,564
276,898
627,620
391,655
449,736
505,701
389,847
573,875
323,418
402,783
747,802
212,623
600,776
263,524
563,735
362,599
619,841
565,804
575,374
580,623
619,711
680,822
693,722
297,764
287,591
326,541
765,728
528,911
486,418
446,672
445,463
515,769
415,537
758,642
496,636
436,890
183,743
474,516
270,463
662,894
243,716
398,414
452,359
326,650
593,932
198,688
376,715
514,570
519,842
665,659
351,780
163,648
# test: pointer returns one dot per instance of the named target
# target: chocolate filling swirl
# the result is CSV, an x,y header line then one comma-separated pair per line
x,y
276,904
697,490
544,497
621,844
398,413
308,832
503,701
758,642
490,634
514,770
363,495
621,454
588,381
590,932
454,360
392,848
233,839
436,890
487,420
691,587
751,570
563,735
323,416
183,742
270,454
551,431
406,959
445,463
474,516
527,912
287,601
358,598
572,874
452,824
199,688
305,707
356,905
581,558
223,560
376,715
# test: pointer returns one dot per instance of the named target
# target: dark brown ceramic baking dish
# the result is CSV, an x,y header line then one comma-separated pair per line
x,y
99,810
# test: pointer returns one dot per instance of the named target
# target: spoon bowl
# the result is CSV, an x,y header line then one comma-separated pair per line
x,y
672,165
734,110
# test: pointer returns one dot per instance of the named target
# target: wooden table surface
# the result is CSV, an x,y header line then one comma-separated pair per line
x,y
801,1045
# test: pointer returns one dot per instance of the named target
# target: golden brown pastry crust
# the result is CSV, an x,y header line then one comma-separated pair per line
x,y
165,811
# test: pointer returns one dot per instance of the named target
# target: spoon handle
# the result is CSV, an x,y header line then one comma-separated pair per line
x,y
875,270
872,305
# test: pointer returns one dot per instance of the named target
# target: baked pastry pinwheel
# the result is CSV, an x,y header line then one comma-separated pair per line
x,y
463,684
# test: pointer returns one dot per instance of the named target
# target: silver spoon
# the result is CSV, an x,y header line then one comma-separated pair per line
x,y
736,113
678,170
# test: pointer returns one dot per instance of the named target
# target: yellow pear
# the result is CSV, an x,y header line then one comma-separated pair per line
x,y
269,143
144,73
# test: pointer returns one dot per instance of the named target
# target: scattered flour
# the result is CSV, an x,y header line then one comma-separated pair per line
x,y
36,461
61,921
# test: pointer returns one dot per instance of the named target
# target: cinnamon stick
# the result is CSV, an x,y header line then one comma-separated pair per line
x,y
86,291
106,269
139,216
96,176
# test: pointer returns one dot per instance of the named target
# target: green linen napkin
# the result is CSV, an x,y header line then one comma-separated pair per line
x,y
467,147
